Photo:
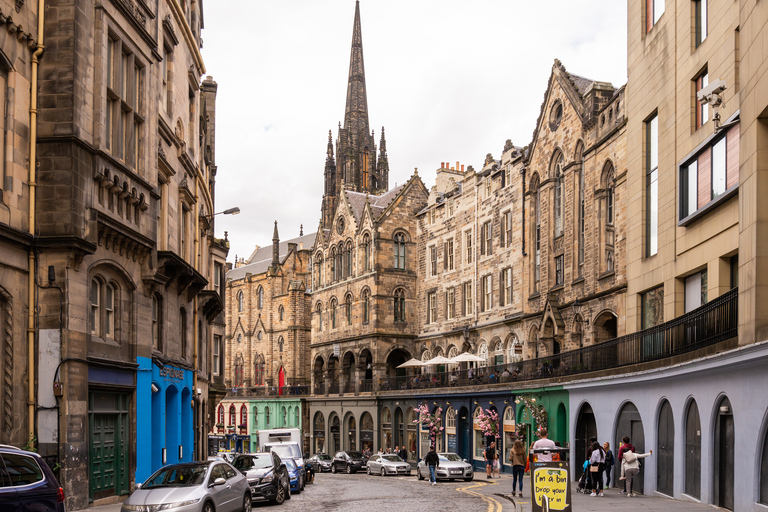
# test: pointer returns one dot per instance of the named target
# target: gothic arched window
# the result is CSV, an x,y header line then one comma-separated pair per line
x,y
261,298
240,302
399,305
366,306
348,309
281,313
333,313
400,251
319,312
557,174
349,259
366,252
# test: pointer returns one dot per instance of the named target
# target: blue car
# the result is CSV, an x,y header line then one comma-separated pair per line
x,y
295,474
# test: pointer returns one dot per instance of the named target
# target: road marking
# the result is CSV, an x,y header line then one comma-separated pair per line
x,y
493,505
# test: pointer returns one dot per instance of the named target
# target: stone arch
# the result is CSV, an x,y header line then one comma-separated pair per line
x,y
532,344
605,326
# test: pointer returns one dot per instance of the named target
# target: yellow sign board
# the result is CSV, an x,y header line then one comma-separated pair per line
x,y
551,482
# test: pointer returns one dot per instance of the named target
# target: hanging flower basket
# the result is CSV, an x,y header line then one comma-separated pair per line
x,y
431,421
488,421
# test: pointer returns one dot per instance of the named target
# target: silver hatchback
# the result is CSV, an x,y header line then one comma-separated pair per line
x,y
192,487
451,467
387,464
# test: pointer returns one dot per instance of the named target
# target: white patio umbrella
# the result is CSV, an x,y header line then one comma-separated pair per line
x,y
411,363
438,360
466,357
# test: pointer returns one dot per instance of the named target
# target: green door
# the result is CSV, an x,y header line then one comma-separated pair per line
x,y
108,450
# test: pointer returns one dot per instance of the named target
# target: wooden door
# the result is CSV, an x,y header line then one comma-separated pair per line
x,y
665,462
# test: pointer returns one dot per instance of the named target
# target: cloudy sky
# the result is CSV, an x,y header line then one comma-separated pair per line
x,y
450,80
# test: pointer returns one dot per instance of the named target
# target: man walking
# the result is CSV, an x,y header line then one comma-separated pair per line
x,y
403,453
432,461
489,455
542,444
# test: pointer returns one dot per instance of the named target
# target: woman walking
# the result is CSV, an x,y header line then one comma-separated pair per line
x,y
596,462
517,457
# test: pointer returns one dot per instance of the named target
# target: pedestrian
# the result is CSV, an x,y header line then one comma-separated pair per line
x,y
496,465
630,467
543,443
432,461
403,453
626,446
517,456
596,462
609,462
489,455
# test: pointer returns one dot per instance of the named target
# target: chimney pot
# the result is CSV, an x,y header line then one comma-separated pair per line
x,y
457,166
442,165
462,167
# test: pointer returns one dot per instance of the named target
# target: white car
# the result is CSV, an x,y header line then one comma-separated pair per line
x,y
451,467
388,464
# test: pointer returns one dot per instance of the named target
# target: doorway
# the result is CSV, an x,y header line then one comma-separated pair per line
x,y
281,380
724,461
109,435
630,424
665,462
693,452
464,426
586,429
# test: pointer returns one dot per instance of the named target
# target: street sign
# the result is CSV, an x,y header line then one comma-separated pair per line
x,y
336,350
550,484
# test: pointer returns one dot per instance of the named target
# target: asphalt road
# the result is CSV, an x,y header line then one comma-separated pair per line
x,y
363,493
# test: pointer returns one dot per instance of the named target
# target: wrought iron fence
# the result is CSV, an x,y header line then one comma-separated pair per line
x,y
269,391
712,323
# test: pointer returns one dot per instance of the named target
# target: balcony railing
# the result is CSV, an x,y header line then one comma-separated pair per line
x,y
269,391
712,323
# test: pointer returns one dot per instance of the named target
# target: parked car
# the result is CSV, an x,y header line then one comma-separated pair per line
x,y
350,462
227,456
451,467
321,462
388,464
27,483
267,476
297,479
196,486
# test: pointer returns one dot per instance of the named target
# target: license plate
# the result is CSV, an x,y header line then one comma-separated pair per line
x,y
456,471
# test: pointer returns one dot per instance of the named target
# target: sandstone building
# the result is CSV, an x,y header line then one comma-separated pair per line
x,y
106,236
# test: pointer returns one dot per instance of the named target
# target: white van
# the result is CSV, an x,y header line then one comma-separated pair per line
x,y
286,443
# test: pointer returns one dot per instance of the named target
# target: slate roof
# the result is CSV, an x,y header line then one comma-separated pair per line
x,y
581,83
378,203
261,259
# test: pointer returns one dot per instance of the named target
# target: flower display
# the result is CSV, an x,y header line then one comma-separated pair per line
x,y
431,421
488,421
538,414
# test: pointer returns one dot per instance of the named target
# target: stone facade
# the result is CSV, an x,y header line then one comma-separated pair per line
x,y
479,239
122,252
268,316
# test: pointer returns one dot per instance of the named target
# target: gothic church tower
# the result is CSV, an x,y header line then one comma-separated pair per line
x,y
356,166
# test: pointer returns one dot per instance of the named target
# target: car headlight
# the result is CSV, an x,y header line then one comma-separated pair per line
x,y
268,477
167,506
132,507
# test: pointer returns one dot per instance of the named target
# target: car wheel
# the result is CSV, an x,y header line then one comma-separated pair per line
x,y
333,468
247,502
349,469
208,507
468,479
419,475
279,496
383,472
368,470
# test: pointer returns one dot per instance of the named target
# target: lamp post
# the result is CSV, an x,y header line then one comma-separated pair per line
x,y
576,307
228,211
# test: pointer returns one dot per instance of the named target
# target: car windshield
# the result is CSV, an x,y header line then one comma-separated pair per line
x,y
286,450
290,464
449,456
355,455
393,458
323,457
253,462
177,476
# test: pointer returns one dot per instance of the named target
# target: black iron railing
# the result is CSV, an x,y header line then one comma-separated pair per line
x,y
712,323
366,385
269,391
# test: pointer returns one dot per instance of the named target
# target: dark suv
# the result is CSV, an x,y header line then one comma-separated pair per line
x,y
267,476
27,483
350,462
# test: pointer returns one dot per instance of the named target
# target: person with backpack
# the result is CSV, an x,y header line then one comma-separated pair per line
x,y
627,446
489,456
630,467
609,462
596,461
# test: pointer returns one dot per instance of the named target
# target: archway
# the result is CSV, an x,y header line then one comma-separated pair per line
x,y
395,359
348,372
586,429
410,426
366,431
317,375
665,461
693,451
318,429
187,430
561,425
399,427
350,432
281,380
333,375
725,440
605,327
335,441
464,434
386,428
171,425
631,425
366,365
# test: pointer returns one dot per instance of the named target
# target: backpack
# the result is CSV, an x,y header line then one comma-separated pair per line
x,y
629,456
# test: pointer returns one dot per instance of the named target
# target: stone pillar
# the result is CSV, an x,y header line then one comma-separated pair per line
x,y
326,381
379,374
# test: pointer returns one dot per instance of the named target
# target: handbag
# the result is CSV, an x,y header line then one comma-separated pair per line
x,y
594,469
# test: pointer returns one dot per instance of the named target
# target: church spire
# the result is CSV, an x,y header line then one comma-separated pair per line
x,y
356,113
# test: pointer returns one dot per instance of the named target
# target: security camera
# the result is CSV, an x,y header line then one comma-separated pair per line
x,y
711,93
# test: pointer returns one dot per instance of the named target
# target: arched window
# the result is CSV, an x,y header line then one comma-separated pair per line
x,y
281,312
296,417
240,302
260,302
400,251
318,271
319,313
220,415
580,205
536,232
349,259
348,309
450,418
95,306
399,305
280,342
557,174
266,416
232,415
609,188
482,353
366,253
157,322
333,265
104,298
333,313
243,415
183,331
285,416
453,352
109,311
366,306
340,266
239,370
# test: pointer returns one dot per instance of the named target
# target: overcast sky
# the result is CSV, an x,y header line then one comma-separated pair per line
x,y
450,80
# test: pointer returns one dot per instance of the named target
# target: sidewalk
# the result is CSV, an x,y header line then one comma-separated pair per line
x,y
612,501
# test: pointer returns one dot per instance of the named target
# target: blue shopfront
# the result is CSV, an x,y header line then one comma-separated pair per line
x,y
164,410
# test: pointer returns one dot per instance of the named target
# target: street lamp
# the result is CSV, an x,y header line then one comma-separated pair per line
x,y
229,211
576,306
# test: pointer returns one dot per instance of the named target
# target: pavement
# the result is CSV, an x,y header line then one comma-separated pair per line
x,y
492,492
